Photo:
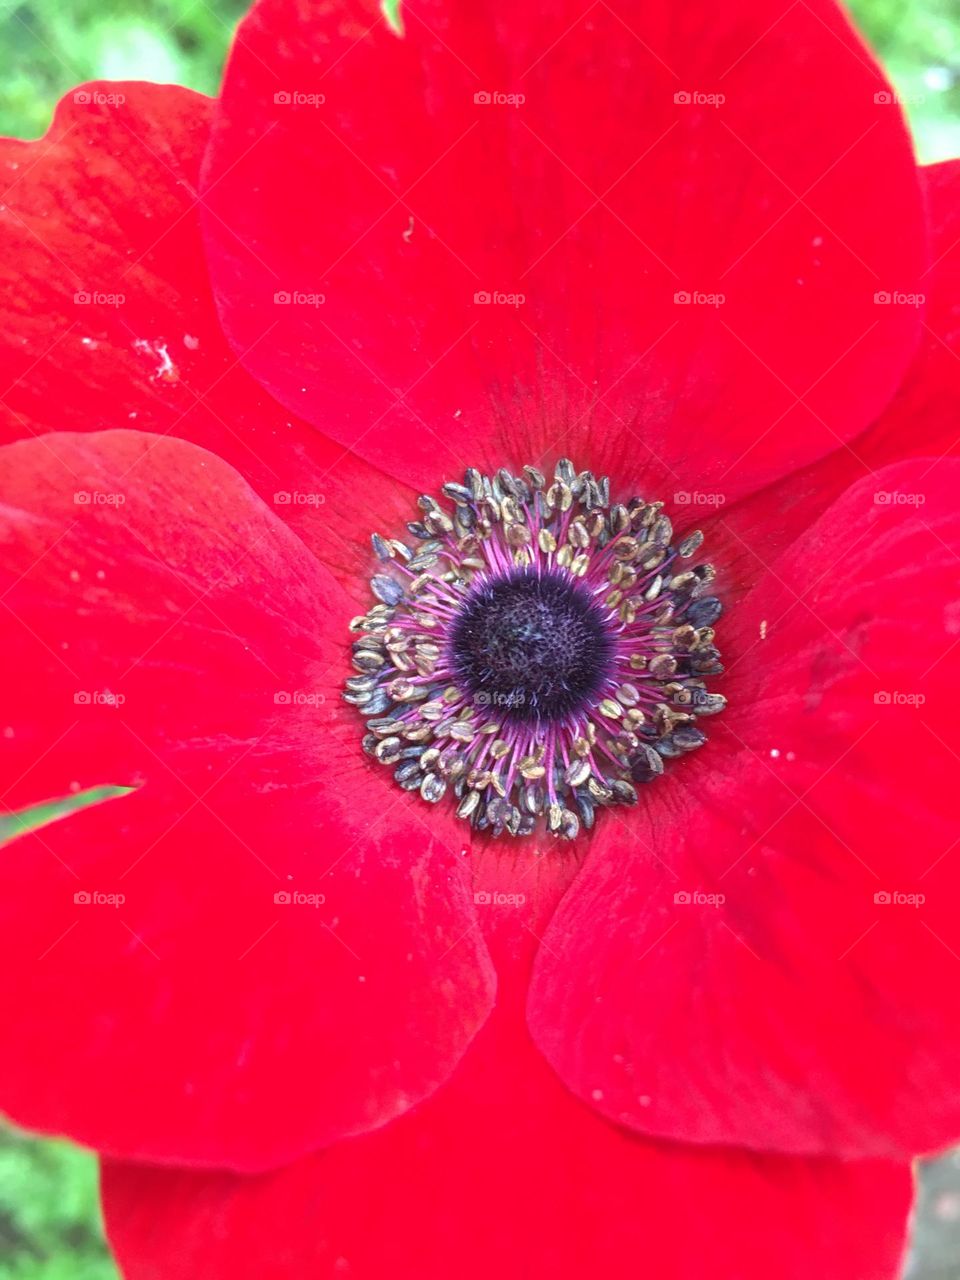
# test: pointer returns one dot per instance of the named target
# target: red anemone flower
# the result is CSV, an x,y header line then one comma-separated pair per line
x,y
321,1024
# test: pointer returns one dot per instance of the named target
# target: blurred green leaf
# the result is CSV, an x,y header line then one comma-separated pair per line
x,y
39,815
49,1212
47,47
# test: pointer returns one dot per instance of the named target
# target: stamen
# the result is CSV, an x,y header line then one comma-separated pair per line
x,y
538,654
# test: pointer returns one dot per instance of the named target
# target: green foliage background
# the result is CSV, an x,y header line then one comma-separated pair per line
x,y
49,1221
46,46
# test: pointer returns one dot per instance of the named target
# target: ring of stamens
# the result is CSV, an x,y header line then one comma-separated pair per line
x,y
539,654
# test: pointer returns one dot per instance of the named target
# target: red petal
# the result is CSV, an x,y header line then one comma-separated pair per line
x,y
803,1013
142,568
922,419
107,319
350,163
203,1018
503,1174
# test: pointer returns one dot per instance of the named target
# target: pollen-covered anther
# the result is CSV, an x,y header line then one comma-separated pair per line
x,y
538,653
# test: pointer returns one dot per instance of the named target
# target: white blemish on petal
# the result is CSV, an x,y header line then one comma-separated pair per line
x,y
166,370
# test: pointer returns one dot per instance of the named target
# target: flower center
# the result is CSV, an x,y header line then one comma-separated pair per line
x,y
536,644
539,654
